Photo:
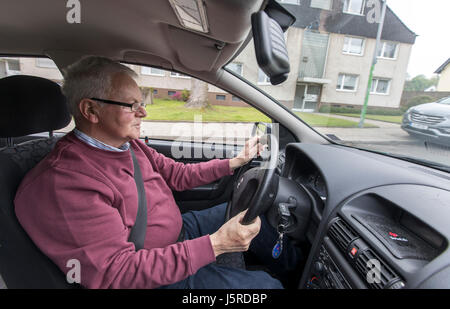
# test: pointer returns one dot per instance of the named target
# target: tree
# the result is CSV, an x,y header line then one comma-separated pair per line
x,y
198,97
420,83
147,93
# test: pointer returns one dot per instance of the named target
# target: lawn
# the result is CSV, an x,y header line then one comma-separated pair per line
x,y
392,119
169,110
315,120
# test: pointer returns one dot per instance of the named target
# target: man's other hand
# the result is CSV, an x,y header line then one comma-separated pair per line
x,y
251,148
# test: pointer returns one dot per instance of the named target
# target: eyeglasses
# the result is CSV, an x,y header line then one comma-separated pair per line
x,y
134,107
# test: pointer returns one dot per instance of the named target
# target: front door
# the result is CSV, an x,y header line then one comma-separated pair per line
x,y
299,99
306,98
311,98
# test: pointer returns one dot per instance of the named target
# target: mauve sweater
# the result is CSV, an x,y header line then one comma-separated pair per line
x,y
80,202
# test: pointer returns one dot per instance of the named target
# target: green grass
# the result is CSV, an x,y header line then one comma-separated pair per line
x,y
392,119
169,110
315,120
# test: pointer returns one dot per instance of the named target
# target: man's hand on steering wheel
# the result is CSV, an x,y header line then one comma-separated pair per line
x,y
233,236
251,149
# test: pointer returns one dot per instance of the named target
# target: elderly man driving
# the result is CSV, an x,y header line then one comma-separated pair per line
x,y
85,202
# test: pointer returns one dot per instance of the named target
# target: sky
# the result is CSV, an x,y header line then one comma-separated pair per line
x,y
430,19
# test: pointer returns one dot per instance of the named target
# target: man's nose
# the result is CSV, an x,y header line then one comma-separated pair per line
x,y
142,112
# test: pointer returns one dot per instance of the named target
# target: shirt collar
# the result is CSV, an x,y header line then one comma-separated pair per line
x,y
98,144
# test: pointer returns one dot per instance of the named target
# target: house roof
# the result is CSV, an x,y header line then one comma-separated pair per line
x,y
336,21
442,67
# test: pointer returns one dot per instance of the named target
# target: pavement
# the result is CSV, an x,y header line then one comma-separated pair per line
x,y
389,138
209,132
385,132
239,132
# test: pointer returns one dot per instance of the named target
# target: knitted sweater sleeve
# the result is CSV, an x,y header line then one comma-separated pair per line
x,y
180,176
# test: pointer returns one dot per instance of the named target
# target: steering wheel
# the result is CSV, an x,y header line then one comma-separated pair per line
x,y
256,188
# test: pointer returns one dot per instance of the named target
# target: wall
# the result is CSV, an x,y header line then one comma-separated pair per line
x,y
286,90
444,80
360,65
29,66
164,84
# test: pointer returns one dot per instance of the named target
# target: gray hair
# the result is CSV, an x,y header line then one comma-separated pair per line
x,y
90,77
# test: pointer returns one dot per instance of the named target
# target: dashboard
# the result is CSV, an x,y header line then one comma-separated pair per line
x,y
373,221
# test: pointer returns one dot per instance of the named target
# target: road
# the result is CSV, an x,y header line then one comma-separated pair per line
x,y
389,138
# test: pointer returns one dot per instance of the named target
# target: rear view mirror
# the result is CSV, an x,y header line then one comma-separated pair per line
x,y
270,47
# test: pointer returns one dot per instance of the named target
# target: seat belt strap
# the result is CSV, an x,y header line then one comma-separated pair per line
x,y
138,231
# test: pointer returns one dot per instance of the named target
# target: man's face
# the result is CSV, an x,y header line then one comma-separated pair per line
x,y
117,124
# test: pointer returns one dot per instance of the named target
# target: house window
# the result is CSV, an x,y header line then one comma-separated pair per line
x,y
170,92
263,79
151,71
387,50
354,7
235,98
353,46
321,4
297,2
236,68
176,74
220,97
380,86
13,64
45,63
347,82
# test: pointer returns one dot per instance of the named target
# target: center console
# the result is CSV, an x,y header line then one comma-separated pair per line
x,y
371,243
345,261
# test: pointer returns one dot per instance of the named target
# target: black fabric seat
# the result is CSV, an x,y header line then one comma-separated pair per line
x,y
29,105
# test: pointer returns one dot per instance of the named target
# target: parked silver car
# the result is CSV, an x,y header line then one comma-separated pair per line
x,y
430,121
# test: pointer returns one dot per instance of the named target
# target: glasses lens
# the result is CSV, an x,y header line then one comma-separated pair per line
x,y
136,106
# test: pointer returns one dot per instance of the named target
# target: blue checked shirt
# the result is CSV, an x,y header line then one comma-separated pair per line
x,y
97,144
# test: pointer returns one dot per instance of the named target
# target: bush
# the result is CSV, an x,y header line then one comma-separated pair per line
x,y
177,96
181,95
185,95
328,109
417,101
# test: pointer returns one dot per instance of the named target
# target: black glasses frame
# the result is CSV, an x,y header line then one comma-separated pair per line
x,y
130,105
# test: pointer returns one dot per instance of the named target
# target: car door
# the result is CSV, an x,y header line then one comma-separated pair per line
x,y
204,196
193,135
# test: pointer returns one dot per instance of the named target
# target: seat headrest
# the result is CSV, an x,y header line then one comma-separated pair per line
x,y
30,104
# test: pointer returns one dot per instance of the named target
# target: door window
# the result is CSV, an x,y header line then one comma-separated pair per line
x,y
189,110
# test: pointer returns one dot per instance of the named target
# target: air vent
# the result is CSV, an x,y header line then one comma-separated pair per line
x,y
342,234
365,264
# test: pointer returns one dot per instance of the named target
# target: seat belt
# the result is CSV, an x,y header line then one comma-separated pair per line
x,y
138,231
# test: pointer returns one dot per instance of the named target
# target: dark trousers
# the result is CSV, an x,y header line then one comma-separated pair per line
x,y
214,276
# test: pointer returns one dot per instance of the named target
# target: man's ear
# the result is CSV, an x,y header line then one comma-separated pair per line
x,y
89,110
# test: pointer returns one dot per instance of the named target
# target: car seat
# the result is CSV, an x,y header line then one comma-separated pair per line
x,y
28,105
